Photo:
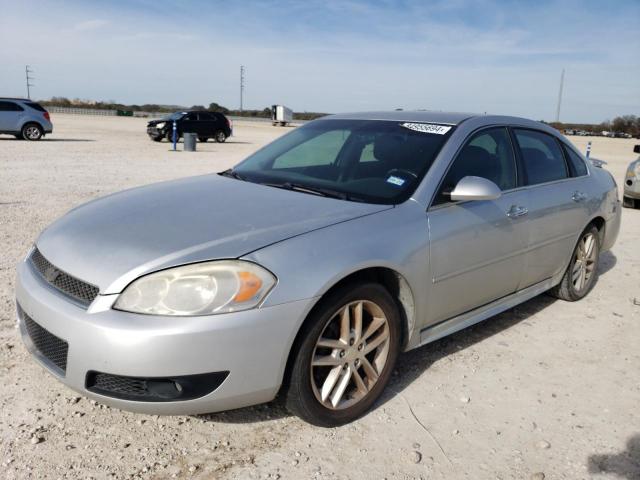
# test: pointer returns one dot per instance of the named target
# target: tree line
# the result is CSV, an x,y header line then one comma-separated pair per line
x,y
624,124
156,108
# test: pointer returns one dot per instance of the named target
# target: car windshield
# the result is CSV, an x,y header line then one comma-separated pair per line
x,y
370,161
174,116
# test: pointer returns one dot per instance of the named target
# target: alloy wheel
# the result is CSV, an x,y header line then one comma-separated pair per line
x,y
32,133
584,262
350,354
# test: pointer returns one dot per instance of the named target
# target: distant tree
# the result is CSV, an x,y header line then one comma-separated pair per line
x,y
198,107
624,123
214,107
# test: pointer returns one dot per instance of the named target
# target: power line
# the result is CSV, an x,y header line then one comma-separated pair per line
x,y
560,96
28,78
241,85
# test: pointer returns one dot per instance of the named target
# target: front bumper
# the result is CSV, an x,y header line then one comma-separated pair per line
x,y
154,132
252,346
632,187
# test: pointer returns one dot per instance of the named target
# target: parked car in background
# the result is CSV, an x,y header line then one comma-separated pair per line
x,y
312,264
631,197
24,119
204,124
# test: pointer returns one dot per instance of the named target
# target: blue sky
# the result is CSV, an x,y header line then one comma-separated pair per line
x,y
487,55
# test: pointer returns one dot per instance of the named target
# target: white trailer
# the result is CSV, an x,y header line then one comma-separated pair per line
x,y
281,115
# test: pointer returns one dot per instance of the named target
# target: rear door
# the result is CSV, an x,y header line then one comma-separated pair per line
x,y
557,204
477,248
10,114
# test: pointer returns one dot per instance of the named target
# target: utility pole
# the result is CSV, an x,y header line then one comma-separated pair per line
x,y
241,85
28,77
560,96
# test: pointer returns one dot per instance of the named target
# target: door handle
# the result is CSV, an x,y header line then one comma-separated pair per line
x,y
517,211
578,196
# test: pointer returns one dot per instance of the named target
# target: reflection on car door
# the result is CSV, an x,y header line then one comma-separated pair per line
x,y
477,248
557,205
189,123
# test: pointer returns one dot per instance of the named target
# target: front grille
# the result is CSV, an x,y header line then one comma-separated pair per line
x,y
82,292
51,347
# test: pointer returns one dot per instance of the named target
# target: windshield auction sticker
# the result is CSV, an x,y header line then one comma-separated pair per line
x,y
427,128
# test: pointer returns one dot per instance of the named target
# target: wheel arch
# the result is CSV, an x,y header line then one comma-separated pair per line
x,y
392,280
600,223
31,121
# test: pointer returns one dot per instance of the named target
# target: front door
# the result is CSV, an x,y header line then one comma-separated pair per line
x,y
477,248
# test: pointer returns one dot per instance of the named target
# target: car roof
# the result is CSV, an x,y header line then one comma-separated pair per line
x,y
447,118
14,99
451,118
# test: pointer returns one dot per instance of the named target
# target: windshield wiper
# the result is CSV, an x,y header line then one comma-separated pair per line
x,y
232,174
323,192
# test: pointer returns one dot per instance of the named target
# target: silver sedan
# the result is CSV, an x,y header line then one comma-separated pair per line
x,y
311,265
631,194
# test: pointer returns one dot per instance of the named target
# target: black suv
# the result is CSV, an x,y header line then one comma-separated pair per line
x,y
205,125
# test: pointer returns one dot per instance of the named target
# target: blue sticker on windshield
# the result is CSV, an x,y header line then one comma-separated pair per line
x,y
395,181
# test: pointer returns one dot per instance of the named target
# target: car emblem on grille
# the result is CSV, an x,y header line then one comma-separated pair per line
x,y
51,273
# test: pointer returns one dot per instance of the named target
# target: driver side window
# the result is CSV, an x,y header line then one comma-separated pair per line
x,y
488,154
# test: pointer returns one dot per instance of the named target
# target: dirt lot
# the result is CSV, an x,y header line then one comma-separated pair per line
x,y
546,390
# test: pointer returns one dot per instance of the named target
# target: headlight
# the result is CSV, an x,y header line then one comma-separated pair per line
x,y
199,289
160,125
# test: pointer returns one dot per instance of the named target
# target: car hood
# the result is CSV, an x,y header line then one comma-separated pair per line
x,y
111,241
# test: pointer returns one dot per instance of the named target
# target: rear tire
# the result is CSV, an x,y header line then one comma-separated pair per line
x,y
344,355
32,132
582,271
220,136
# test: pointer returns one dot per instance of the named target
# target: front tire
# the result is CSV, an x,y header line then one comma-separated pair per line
x,y
203,139
345,355
582,271
32,132
628,202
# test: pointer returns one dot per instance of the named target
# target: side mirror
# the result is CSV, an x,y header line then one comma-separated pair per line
x,y
636,149
475,188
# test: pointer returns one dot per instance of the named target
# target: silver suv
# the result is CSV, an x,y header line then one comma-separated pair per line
x,y
24,119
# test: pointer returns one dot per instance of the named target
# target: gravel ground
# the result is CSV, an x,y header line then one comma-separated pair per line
x,y
546,390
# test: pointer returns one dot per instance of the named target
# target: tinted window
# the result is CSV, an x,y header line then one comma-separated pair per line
x,y
577,166
489,155
10,107
541,157
35,106
366,160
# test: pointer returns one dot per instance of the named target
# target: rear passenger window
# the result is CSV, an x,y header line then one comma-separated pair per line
x,y
541,157
10,107
35,106
576,164
488,155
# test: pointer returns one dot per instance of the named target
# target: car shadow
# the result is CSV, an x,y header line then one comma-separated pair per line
x,y
607,261
625,464
50,140
413,364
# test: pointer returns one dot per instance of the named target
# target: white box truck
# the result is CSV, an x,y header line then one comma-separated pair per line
x,y
281,115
